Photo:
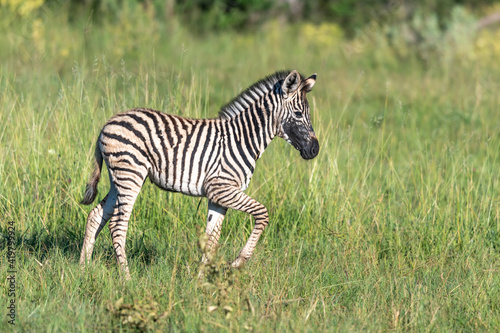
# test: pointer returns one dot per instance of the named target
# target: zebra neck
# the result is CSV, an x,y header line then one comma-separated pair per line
x,y
254,129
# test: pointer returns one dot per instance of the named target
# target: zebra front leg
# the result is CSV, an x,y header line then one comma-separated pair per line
x,y
234,198
215,217
97,219
259,212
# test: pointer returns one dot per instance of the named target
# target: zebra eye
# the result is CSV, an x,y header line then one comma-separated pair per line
x,y
298,114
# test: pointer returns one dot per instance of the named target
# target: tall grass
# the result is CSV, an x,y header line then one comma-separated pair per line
x,y
393,226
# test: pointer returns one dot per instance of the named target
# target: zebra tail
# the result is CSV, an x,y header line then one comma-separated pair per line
x,y
91,189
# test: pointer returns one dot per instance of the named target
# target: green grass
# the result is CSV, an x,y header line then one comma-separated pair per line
x,y
394,226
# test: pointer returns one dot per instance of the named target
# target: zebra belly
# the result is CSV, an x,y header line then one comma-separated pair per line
x,y
192,186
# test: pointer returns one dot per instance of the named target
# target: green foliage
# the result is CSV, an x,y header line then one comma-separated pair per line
x,y
21,8
220,15
204,16
141,315
394,226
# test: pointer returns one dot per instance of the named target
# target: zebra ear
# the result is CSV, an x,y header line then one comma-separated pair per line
x,y
291,82
308,83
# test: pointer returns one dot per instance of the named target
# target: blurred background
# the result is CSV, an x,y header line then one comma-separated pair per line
x,y
371,32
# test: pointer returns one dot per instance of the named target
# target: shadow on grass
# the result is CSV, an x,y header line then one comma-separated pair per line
x,y
68,242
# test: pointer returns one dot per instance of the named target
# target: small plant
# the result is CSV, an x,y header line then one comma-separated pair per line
x,y
142,315
221,283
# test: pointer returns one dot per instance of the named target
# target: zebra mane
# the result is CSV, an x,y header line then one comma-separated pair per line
x,y
251,95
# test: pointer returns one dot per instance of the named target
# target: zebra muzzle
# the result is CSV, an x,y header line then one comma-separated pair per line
x,y
311,151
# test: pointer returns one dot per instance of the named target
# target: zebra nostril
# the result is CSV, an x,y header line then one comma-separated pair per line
x,y
314,148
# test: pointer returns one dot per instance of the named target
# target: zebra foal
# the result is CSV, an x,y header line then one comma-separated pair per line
x,y
214,158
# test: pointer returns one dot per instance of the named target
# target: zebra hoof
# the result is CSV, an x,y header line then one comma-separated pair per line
x,y
238,263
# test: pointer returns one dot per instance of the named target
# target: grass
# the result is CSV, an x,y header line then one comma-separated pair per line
x,y
394,226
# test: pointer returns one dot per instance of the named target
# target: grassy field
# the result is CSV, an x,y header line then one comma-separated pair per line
x,y
394,226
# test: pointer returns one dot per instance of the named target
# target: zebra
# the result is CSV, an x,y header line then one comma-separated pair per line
x,y
212,158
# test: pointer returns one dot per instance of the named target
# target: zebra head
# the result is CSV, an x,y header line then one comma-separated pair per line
x,y
295,123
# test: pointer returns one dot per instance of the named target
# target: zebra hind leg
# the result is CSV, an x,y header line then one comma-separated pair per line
x,y
128,189
97,219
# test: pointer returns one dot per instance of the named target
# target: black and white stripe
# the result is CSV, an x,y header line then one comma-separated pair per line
x,y
214,158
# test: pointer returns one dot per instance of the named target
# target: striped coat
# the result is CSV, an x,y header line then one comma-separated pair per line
x,y
213,158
